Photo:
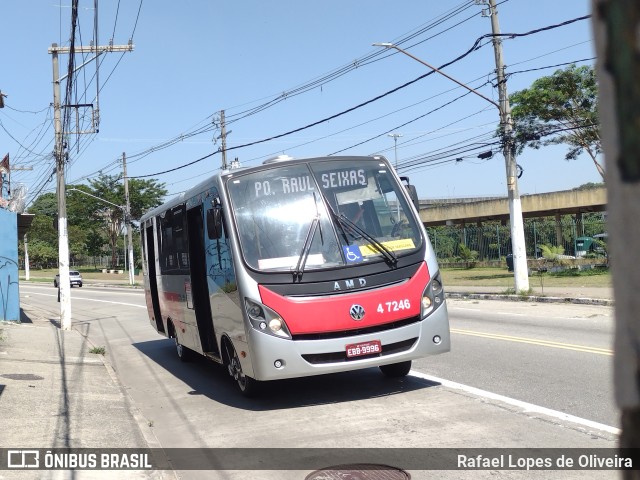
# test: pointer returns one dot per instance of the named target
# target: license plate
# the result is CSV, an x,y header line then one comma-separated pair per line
x,y
363,348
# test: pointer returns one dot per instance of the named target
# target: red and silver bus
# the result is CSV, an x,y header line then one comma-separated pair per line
x,y
296,267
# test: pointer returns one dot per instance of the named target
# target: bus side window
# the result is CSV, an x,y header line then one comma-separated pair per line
x,y
173,250
214,223
220,256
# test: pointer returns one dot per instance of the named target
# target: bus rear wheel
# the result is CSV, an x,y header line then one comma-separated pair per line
x,y
396,370
184,354
248,386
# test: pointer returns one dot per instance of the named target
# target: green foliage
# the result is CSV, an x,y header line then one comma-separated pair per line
x,y
45,204
467,255
551,252
589,186
560,109
574,272
42,254
92,222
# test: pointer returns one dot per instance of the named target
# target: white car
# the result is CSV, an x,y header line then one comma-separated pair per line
x,y
74,277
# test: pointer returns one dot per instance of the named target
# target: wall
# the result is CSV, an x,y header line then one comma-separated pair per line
x,y
9,293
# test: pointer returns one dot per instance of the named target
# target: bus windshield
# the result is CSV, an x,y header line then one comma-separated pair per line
x,y
322,214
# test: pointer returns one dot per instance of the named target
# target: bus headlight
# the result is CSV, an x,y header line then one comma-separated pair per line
x,y
266,320
433,296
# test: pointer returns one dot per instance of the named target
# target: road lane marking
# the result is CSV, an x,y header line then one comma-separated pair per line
x,y
89,300
512,314
101,290
525,406
532,341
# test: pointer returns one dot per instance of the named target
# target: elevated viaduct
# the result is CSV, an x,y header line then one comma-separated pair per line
x,y
477,211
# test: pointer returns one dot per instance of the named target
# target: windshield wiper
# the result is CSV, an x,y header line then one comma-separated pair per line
x,y
306,248
343,221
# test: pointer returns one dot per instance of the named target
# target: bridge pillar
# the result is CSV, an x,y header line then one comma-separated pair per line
x,y
559,241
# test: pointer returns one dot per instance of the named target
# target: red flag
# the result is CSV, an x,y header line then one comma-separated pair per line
x,y
4,169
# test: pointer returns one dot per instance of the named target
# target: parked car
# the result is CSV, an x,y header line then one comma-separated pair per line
x,y
74,277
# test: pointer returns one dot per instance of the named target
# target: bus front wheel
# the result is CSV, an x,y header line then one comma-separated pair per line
x,y
248,386
396,370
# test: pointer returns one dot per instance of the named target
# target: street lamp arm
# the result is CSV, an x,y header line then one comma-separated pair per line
x,y
97,198
391,45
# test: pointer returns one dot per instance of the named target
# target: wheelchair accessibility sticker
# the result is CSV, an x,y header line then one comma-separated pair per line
x,y
352,253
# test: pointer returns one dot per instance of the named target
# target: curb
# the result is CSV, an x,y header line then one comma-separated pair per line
x,y
531,298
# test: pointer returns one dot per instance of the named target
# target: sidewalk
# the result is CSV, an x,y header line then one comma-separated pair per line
x,y
583,295
54,393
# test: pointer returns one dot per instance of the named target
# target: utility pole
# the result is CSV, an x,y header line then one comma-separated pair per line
x,y
223,135
518,247
395,137
59,155
127,218
64,287
26,258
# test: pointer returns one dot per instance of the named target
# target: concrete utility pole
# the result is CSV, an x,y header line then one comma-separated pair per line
x,y
515,208
59,155
26,258
64,287
223,136
127,218
395,137
518,246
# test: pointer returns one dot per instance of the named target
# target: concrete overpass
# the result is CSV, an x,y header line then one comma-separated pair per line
x,y
554,204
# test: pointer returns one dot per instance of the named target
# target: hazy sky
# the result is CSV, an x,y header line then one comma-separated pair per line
x,y
276,67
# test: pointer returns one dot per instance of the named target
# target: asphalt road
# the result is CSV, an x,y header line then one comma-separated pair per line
x,y
558,356
197,405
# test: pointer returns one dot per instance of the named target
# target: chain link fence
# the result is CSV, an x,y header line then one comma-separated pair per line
x,y
492,241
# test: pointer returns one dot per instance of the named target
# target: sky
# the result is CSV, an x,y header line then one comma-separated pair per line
x,y
276,67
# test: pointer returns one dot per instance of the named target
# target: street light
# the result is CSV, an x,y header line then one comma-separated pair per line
x,y
520,269
124,211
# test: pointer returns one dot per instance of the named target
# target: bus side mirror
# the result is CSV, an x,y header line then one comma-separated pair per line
x,y
214,223
413,193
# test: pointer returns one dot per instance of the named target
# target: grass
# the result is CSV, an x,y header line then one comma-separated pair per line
x,y
500,277
479,276
98,350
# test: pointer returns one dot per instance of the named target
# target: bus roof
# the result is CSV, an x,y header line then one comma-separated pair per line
x,y
267,164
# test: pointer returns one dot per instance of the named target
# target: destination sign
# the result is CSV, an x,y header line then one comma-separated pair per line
x,y
283,185
286,185
344,178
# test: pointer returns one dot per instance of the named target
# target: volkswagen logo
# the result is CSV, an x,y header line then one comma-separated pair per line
x,y
356,312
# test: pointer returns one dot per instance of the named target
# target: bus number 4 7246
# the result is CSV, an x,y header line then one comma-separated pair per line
x,y
394,306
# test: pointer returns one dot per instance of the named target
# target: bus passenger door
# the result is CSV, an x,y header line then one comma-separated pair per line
x,y
153,280
199,285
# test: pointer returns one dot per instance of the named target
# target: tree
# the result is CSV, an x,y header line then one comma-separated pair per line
x,y
143,195
43,228
560,109
467,255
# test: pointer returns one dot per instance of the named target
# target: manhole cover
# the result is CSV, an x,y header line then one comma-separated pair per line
x,y
359,471
22,376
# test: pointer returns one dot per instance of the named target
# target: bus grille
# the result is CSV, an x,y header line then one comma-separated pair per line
x,y
334,357
358,331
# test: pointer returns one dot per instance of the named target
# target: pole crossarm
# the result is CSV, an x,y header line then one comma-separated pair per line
x,y
92,49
